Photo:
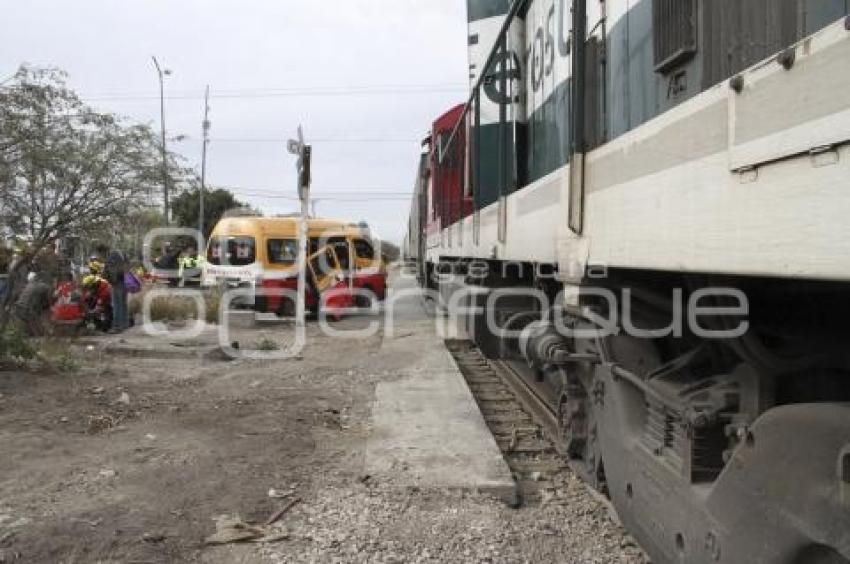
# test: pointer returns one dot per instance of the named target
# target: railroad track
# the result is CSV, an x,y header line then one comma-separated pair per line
x,y
519,423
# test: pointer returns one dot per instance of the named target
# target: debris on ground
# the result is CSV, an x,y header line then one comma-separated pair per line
x,y
332,418
274,517
98,423
90,522
232,529
218,354
280,494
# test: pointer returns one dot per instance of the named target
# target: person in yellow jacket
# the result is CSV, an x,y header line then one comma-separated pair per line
x,y
189,268
95,265
97,300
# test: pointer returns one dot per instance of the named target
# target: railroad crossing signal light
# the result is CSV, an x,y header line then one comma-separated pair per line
x,y
304,166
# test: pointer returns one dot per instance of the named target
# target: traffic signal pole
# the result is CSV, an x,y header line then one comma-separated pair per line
x,y
300,305
304,153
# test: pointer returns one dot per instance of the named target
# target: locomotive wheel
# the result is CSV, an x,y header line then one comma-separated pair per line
x,y
578,435
572,419
580,411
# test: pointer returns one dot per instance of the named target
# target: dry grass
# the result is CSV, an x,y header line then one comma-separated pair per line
x,y
267,344
45,353
177,308
213,299
57,354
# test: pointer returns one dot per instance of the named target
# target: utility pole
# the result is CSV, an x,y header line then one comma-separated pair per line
x,y
206,129
162,73
304,153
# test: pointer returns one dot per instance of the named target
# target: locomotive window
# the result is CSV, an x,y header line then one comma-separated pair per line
x,y
674,30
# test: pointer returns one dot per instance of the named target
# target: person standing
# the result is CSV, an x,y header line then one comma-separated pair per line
x,y
95,265
115,269
18,270
33,304
168,263
189,273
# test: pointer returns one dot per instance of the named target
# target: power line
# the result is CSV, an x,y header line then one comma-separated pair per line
x,y
330,196
313,88
281,140
329,199
317,140
344,193
352,197
326,190
290,92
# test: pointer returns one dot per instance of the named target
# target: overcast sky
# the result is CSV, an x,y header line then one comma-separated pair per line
x,y
270,64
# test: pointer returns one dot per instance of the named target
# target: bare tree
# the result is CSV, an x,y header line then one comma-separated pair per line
x,y
66,169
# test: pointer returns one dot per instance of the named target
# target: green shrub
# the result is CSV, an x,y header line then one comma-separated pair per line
x,y
15,346
65,363
57,354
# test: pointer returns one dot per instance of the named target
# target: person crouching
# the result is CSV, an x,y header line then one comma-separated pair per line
x,y
97,300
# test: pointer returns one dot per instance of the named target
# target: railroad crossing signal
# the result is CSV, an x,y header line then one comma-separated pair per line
x,y
303,152
304,170
302,165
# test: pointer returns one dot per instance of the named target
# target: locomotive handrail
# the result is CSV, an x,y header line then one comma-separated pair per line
x,y
497,46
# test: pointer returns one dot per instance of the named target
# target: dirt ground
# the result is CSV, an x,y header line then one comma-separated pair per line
x,y
131,459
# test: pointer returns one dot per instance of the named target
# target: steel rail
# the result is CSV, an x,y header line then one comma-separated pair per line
x,y
544,416
530,399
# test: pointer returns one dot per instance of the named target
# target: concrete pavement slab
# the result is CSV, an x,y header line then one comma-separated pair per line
x,y
427,430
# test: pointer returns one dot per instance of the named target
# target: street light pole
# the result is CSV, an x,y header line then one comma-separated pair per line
x,y
206,128
163,73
